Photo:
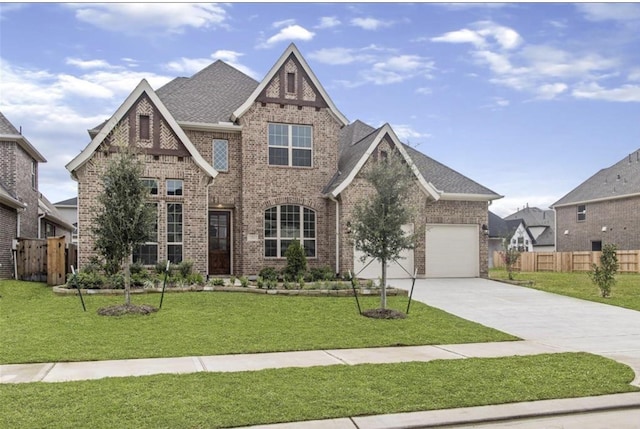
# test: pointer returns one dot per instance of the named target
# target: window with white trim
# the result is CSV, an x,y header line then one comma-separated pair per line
x,y
174,187
290,145
221,155
147,253
174,232
34,176
283,224
582,212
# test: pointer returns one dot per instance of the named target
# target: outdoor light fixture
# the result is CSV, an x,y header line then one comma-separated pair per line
x,y
566,232
485,229
604,229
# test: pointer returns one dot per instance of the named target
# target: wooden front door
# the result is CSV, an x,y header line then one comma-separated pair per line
x,y
219,243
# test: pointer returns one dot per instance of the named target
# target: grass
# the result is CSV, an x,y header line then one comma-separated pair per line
x,y
38,326
215,400
625,293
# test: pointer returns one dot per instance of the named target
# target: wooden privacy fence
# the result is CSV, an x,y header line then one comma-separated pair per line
x,y
47,260
567,262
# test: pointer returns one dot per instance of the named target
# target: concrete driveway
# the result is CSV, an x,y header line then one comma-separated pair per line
x,y
553,320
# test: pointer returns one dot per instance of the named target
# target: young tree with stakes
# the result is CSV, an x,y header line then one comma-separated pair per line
x,y
377,221
124,218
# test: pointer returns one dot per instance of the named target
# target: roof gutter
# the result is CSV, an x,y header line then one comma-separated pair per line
x,y
228,127
446,196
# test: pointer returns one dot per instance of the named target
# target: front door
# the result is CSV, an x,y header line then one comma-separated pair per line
x,y
219,243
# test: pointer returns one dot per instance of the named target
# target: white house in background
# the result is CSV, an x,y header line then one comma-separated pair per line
x,y
68,210
540,229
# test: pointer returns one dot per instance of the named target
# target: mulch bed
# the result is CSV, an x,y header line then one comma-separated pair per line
x,y
122,309
384,313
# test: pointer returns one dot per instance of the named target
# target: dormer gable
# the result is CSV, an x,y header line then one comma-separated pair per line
x,y
144,123
291,82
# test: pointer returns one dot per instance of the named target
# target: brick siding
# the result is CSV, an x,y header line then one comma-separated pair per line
x,y
621,217
8,220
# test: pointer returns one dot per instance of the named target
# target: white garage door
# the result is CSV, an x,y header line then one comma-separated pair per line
x,y
395,270
452,251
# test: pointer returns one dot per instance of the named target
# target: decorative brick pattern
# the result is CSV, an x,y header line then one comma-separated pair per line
x,y
273,89
168,139
308,94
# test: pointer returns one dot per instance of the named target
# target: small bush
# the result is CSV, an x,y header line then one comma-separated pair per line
x,y
318,274
268,273
260,282
137,268
604,275
194,279
217,281
116,281
296,260
86,280
161,266
185,268
244,282
232,281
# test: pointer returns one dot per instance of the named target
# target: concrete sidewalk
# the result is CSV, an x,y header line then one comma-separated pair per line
x,y
75,371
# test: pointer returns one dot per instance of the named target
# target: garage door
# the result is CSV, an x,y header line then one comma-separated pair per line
x,y
452,251
395,270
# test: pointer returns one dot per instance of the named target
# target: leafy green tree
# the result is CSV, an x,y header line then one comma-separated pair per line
x,y
604,275
377,221
124,220
296,261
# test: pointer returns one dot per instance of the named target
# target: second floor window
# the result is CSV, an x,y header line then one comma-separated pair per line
x,y
290,145
221,155
174,187
34,176
582,212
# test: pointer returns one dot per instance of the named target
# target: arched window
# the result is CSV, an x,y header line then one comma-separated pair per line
x,y
283,224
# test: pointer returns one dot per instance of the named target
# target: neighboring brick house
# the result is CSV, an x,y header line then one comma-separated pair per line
x,y
24,211
238,168
604,209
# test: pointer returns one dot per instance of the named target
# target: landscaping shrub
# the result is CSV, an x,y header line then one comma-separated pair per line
x,y
318,274
185,268
244,281
604,275
269,273
86,280
296,261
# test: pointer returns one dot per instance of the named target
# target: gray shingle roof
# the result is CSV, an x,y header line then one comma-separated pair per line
x,y
6,127
498,227
619,180
355,139
533,216
70,202
210,96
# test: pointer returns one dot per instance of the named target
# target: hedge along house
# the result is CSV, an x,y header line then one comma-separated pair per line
x,y
238,169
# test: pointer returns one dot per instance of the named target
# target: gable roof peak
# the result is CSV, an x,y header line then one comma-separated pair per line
x,y
142,88
292,49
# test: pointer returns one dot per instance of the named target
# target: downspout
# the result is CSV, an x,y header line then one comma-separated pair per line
x,y
332,198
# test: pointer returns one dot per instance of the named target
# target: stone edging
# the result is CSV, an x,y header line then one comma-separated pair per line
x,y
60,290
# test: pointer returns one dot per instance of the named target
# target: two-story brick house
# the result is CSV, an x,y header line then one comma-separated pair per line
x,y
604,209
239,168
24,211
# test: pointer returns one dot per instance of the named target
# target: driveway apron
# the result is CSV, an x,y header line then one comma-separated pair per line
x,y
550,319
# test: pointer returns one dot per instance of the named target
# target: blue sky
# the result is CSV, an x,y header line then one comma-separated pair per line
x,y
528,99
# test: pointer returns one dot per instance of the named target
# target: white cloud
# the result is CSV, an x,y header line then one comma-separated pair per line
x,y
407,134
634,74
610,11
289,33
549,61
551,90
483,33
461,36
88,64
337,56
189,66
398,69
424,91
369,23
328,22
142,18
283,23
593,91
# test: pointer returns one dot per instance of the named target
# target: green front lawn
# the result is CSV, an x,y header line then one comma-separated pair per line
x,y
214,400
38,326
625,293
